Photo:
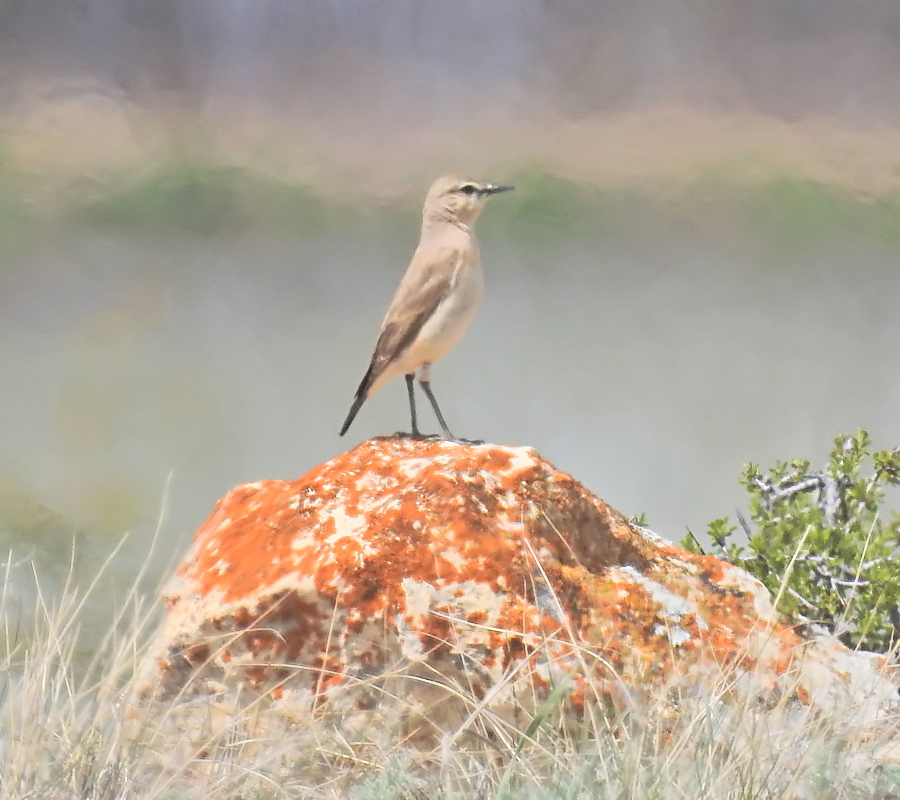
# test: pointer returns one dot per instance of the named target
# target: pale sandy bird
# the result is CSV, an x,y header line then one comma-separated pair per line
x,y
437,298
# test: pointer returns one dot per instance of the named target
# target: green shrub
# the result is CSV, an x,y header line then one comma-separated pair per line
x,y
820,542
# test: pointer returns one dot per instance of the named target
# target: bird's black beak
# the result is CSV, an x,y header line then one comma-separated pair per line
x,y
496,188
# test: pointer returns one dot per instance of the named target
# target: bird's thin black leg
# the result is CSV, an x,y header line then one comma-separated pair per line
x,y
426,385
411,390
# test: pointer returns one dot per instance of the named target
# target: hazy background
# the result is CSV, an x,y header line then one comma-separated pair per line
x,y
205,206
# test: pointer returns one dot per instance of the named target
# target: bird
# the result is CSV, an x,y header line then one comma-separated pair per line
x,y
437,297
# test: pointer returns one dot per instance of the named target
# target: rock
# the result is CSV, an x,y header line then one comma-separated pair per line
x,y
444,574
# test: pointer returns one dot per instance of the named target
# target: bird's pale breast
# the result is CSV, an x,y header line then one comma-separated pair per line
x,y
451,318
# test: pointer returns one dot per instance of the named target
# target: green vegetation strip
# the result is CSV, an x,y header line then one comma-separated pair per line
x,y
202,199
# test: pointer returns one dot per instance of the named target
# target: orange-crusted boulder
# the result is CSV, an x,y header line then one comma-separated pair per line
x,y
465,569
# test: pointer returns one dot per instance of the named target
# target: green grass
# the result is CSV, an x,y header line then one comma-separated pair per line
x,y
207,199
547,208
190,196
795,212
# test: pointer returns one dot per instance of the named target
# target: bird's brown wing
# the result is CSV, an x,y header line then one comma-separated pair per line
x,y
426,283
420,292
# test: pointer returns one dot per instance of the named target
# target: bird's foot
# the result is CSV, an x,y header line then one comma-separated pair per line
x,y
470,442
417,436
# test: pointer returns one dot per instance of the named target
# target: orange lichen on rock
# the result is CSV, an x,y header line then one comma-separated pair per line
x,y
475,566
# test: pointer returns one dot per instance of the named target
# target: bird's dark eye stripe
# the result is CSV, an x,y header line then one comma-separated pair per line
x,y
469,188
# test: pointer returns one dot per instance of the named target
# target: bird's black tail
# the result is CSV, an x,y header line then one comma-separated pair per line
x,y
354,410
361,394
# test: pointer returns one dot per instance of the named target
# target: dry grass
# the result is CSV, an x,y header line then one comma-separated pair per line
x,y
70,730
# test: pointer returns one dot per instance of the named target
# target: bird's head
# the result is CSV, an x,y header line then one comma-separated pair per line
x,y
459,199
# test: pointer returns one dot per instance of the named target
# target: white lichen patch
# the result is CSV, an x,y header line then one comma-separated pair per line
x,y
457,601
674,633
225,525
419,597
478,597
509,528
521,460
345,526
742,581
375,503
221,567
410,642
191,615
488,479
374,483
453,557
303,586
511,500
411,468
195,610
652,537
671,606
303,540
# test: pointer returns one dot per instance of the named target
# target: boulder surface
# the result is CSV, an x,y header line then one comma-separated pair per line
x,y
445,570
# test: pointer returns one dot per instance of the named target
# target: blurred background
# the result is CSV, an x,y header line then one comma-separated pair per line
x,y
205,207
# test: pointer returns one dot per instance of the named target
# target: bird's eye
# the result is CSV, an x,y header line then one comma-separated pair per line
x,y
469,188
